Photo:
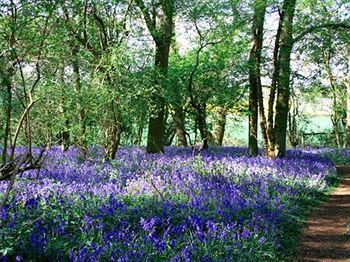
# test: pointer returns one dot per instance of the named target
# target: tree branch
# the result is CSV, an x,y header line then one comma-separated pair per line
x,y
314,28
82,40
150,21
101,25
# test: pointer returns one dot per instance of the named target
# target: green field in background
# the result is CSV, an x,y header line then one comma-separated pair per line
x,y
237,129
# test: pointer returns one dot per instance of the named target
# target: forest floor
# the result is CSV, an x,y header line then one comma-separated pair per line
x,y
326,235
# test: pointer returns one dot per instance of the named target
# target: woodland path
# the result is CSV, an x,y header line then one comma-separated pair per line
x,y
325,237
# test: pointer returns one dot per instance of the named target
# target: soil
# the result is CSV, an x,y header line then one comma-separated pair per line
x,y
326,235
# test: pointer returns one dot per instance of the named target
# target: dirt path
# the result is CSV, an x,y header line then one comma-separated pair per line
x,y
325,237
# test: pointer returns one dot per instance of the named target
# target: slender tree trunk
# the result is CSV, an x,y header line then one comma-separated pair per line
x,y
253,122
263,123
28,134
170,134
273,88
64,135
112,138
6,83
292,122
335,117
292,130
138,135
254,73
179,119
283,91
170,129
347,127
80,110
202,127
220,125
336,131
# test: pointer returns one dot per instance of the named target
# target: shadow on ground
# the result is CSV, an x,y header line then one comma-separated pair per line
x,y
325,237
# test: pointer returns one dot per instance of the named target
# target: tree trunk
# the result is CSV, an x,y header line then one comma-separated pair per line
x,y
254,74
65,137
170,135
220,125
6,83
283,91
160,24
202,127
179,119
292,130
292,123
347,84
112,138
273,88
155,138
170,129
336,131
156,124
253,121
28,134
263,123
138,135
335,116
347,128
80,110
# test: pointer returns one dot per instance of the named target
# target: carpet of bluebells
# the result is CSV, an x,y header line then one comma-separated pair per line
x,y
217,206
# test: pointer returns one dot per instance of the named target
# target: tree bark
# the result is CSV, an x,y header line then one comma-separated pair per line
x,y
202,127
263,123
156,124
138,135
220,125
179,119
170,134
293,125
254,74
283,91
65,137
113,136
253,121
